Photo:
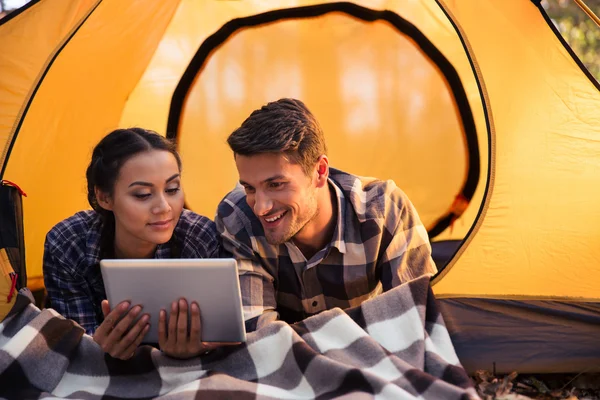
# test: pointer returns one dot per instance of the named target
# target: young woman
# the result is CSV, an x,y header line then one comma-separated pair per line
x,y
134,188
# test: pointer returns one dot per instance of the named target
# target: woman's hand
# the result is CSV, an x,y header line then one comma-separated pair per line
x,y
117,339
174,339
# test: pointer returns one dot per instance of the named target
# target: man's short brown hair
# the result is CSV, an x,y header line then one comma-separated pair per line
x,y
285,125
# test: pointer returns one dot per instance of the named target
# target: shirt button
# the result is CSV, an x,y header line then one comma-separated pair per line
x,y
315,303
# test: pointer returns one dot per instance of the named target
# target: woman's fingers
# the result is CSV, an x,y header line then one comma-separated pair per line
x,y
131,336
195,325
130,351
172,331
182,324
109,322
117,337
162,328
105,308
210,346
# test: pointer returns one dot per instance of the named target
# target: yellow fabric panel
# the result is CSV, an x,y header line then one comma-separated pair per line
x,y
79,101
28,41
195,21
541,233
192,23
385,109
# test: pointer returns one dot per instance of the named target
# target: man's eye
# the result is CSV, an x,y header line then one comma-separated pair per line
x,y
275,185
249,189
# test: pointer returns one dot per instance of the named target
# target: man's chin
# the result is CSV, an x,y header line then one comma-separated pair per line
x,y
276,240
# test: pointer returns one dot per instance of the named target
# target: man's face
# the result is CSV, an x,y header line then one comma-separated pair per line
x,y
281,195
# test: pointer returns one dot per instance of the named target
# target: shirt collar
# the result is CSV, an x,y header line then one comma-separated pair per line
x,y
92,241
337,239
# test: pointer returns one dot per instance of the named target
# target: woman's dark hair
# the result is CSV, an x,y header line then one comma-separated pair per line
x,y
108,157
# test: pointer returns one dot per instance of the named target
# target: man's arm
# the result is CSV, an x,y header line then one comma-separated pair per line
x,y
408,253
257,283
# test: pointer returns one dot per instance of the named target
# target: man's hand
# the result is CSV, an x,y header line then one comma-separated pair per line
x,y
173,338
117,339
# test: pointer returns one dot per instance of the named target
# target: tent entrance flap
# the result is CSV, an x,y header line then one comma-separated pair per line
x,y
375,102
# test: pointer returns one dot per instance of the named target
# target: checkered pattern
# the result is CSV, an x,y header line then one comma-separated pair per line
x,y
394,346
378,243
72,261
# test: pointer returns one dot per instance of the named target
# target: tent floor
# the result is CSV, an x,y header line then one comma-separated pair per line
x,y
526,336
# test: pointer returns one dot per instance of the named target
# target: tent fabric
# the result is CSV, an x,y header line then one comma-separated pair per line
x,y
144,78
528,336
531,232
42,30
74,106
539,231
453,126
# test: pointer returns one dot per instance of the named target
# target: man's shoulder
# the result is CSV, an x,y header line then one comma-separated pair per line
x,y
197,233
191,221
234,212
236,221
234,201
371,197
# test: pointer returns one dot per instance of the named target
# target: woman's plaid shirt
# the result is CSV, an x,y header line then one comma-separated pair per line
x,y
72,261
379,242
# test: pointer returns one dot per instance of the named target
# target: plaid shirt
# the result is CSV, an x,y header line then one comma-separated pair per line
x,y
379,242
72,261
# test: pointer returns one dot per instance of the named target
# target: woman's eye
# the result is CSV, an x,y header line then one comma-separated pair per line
x,y
173,190
142,196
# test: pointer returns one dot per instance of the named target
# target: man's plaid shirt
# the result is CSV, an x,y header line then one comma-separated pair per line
x,y
72,261
379,242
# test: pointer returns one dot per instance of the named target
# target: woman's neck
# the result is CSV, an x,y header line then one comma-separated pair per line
x,y
133,248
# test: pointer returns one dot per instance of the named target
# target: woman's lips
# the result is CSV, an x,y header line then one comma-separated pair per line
x,y
161,224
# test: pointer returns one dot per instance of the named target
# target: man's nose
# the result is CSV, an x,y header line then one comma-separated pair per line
x,y
262,204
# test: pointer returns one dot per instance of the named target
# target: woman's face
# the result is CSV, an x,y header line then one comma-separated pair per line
x,y
147,201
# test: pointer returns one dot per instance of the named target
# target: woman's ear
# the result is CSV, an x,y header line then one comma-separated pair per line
x,y
322,171
104,199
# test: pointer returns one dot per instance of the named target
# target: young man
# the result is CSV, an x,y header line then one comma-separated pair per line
x,y
308,237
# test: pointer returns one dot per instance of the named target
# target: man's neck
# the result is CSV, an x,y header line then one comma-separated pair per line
x,y
319,231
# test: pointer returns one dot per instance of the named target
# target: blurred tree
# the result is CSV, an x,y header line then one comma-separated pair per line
x,y
578,29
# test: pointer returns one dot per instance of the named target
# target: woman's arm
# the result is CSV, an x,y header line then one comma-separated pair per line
x,y
68,293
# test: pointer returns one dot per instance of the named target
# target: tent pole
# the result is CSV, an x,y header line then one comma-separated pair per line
x,y
588,11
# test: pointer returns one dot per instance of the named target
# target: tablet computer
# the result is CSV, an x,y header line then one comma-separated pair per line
x,y
156,283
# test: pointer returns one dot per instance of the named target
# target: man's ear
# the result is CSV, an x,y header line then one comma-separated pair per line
x,y
104,199
322,171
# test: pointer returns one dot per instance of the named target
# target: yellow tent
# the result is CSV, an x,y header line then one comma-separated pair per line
x,y
477,109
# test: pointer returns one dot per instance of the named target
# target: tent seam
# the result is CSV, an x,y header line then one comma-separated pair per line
x,y
14,132
491,147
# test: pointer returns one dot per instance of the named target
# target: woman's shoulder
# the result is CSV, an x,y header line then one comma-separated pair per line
x,y
75,227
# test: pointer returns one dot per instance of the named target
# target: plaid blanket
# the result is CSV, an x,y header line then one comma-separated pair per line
x,y
394,346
